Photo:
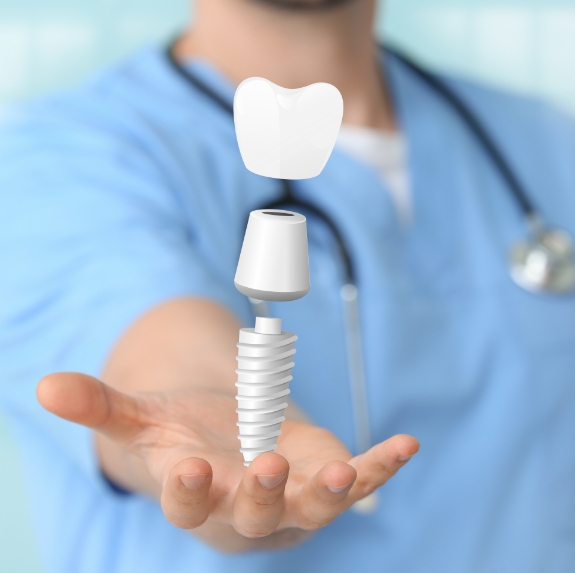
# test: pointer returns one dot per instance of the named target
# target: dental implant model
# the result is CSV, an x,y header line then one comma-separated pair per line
x,y
287,134
273,266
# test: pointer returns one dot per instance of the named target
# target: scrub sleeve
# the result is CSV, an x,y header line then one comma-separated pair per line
x,y
91,238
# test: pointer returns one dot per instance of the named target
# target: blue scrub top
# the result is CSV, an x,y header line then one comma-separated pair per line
x,y
131,191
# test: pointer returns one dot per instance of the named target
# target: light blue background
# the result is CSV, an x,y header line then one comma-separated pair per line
x,y
526,45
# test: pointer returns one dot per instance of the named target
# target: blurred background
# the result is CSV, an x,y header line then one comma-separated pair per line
x,y
525,45
522,45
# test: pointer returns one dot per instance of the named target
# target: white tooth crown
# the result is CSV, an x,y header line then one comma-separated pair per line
x,y
285,133
265,361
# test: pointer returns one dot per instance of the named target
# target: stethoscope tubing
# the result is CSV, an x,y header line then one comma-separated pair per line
x,y
349,291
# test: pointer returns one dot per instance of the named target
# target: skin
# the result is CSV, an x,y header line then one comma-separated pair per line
x,y
247,38
305,4
163,415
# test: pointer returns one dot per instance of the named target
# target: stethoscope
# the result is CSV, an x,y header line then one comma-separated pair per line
x,y
543,263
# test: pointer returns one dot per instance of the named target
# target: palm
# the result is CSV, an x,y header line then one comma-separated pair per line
x,y
203,424
307,449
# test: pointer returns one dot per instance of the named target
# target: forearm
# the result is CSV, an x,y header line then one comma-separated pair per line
x,y
182,344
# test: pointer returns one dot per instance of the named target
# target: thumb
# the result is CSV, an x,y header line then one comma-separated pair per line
x,y
85,400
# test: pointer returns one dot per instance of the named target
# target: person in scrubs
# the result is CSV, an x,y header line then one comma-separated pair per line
x,y
123,206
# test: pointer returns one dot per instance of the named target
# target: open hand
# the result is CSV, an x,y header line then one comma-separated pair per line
x,y
182,447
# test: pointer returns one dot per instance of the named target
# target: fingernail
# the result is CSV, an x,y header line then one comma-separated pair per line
x,y
404,458
269,482
338,489
193,481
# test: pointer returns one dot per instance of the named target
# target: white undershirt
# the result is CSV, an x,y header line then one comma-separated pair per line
x,y
386,152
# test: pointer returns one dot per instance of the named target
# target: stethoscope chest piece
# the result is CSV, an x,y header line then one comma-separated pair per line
x,y
367,505
544,263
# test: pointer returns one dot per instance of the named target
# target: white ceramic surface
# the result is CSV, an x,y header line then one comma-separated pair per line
x,y
286,133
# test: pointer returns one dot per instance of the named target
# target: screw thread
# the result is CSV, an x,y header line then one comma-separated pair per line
x,y
264,373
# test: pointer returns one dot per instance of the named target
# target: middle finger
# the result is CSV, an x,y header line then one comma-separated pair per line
x,y
259,500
